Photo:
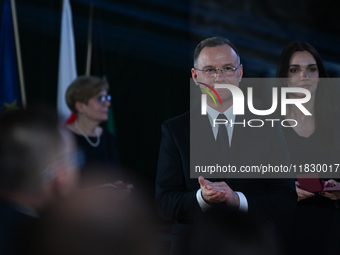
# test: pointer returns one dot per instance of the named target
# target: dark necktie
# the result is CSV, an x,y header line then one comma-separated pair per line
x,y
222,142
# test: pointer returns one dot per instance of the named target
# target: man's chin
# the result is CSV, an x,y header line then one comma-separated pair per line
x,y
225,96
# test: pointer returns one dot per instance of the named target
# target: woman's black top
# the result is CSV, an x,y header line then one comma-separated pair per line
x,y
100,159
316,221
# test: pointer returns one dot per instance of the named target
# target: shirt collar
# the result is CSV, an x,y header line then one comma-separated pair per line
x,y
228,113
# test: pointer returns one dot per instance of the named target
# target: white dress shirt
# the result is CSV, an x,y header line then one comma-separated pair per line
x,y
212,114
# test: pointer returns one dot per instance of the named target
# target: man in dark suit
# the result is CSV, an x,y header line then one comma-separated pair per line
x,y
179,197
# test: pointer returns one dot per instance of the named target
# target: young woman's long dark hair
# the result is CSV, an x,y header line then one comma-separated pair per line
x,y
323,93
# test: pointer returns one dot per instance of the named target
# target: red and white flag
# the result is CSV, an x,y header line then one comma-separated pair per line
x,y
67,60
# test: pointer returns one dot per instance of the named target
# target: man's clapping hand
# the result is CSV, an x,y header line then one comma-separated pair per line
x,y
218,192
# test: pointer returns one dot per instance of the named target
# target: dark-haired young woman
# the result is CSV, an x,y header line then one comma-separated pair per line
x,y
314,140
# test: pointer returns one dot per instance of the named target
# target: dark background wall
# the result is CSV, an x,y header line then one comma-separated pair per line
x,y
148,47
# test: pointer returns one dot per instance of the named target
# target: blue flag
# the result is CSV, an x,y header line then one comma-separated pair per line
x,y
9,91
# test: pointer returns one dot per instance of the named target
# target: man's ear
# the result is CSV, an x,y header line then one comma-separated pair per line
x,y
194,75
80,107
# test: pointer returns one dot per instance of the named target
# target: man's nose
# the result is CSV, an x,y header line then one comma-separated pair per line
x,y
219,75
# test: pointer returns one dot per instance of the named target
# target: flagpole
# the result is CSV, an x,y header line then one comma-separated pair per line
x,y
89,42
18,53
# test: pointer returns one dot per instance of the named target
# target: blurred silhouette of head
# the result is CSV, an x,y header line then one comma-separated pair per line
x,y
36,156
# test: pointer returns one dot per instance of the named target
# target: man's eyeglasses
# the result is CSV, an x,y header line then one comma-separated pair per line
x,y
103,99
212,72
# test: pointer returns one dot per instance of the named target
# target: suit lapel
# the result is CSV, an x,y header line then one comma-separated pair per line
x,y
202,141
